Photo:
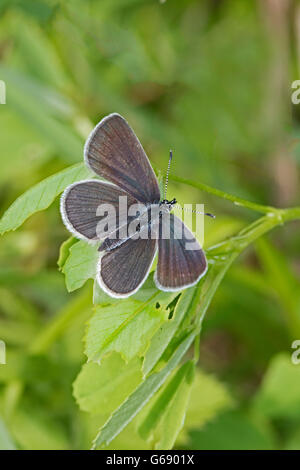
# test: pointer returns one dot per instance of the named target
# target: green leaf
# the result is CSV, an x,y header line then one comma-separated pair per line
x,y
80,265
230,431
279,395
35,431
282,280
166,332
6,442
64,251
100,389
114,327
208,398
140,397
165,417
40,196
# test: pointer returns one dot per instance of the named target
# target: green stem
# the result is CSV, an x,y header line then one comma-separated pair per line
x,y
217,192
232,248
197,349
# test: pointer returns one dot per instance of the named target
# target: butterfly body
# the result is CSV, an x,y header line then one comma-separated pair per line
x,y
128,216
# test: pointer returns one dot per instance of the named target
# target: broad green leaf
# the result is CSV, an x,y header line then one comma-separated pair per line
x,y
80,265
34,431
40,196
100,389
64,251
6,442
166,332
279,395
140,397
165,416
125,327
230,431
208,398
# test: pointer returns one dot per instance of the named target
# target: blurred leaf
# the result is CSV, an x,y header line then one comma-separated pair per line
x,y
42,57
230,431
40,196
208,398
76,308
100,389
279,394
166,414
29,150
6,442
53,103
80,265
64,251
60,136
33,431
293,442
283,281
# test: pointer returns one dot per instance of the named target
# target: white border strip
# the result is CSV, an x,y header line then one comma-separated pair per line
x,y
65,217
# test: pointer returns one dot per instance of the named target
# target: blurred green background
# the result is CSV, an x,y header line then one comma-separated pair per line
x,y
210,79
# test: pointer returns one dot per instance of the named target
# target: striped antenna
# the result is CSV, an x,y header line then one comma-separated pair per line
x,y
194,211
167,175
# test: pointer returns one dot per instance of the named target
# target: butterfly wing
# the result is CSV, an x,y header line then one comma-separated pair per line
x,y
79,205
114,152
181,261
123,270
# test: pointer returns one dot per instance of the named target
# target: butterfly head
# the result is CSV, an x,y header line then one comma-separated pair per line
x,y
166,205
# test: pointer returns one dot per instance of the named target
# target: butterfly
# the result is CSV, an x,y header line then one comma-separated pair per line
x,y
113,152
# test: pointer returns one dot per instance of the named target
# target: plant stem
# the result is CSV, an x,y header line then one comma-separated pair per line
x,y
197,348
231,249
217,192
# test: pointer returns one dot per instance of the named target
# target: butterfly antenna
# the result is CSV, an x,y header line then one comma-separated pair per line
x,y
167,175
195,211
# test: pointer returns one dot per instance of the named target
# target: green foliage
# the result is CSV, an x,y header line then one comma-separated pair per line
x,y
162,338
230,431
5,439
164,418
208,398
174,71
140,397
100,389
40,197
279,395
79,265
113,328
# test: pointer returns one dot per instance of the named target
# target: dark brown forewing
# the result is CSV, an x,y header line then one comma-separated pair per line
x,y
114,152
122,271
178,267
79,205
